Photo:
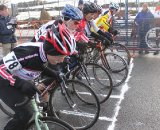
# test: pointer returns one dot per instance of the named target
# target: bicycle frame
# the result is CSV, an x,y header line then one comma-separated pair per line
x,y
63,89
101,50
37,115
64,92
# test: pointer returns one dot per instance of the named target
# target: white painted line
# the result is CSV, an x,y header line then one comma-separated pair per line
x,y
115,96
123,91
76,113
92,78
103,118
84,114
85,93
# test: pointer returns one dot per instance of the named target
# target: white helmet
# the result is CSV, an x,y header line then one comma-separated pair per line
x,y
113,6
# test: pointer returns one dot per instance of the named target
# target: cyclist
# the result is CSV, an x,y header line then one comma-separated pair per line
x,y
105,22
98,13
84,30
71,17
80,4
26,62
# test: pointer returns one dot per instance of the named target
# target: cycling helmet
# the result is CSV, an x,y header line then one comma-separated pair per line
x,y
80,2
113,6
99,9
61,41
89,7
72,12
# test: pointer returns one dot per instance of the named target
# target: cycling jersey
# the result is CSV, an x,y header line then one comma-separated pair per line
x,y
25,61
79,33
105,21
84,30
41,33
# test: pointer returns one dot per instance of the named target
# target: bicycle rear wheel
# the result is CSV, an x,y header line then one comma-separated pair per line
x,y
82,113
121,50
152,38
98,78
117,67
114,62
52,123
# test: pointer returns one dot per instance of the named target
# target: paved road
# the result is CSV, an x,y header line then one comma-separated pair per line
x,y
135,105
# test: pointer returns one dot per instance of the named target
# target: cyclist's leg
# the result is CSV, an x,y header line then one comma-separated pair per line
x,y
11,96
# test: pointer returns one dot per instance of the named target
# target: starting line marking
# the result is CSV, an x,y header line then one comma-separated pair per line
x,y
124,89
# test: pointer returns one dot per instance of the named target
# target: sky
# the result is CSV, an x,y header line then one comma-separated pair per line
x,y
99,1
35,14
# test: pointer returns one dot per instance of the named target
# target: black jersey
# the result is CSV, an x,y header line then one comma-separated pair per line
x,y
26,60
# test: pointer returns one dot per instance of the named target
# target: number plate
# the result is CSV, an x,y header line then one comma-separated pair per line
x,y
11,62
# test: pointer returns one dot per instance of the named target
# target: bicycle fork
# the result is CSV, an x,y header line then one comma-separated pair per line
x,y
65,90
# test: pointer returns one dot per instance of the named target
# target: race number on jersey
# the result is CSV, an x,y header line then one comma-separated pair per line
x,y
11,62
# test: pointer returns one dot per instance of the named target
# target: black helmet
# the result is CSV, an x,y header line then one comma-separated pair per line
x,y
89,7
80,2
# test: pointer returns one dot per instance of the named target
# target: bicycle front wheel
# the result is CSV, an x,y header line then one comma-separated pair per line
x,y
117,68
50,123
82,113
98,78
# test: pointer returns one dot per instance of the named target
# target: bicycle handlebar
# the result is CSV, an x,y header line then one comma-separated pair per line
x,y
104,40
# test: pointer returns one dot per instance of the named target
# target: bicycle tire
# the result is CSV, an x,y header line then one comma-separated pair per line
x,y
83,114
55,124
152,38
119,78
96,75
8,112
121,50
118,70
115,63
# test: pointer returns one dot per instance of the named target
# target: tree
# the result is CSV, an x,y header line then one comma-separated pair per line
x,y
45,15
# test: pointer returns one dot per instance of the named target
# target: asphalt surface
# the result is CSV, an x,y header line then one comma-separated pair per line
x,y
133,106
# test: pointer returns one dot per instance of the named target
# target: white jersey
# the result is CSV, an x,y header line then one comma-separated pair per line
x,y
43,30
91,24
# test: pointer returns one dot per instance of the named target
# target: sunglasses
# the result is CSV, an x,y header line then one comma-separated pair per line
x,y
76,22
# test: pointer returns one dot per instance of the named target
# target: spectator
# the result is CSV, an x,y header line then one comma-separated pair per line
x,y
80,4
144,21
7,30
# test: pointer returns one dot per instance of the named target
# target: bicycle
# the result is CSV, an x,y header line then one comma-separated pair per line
x,y
114,63
41,122
72,99
121,50
152,38
70,92
96,76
